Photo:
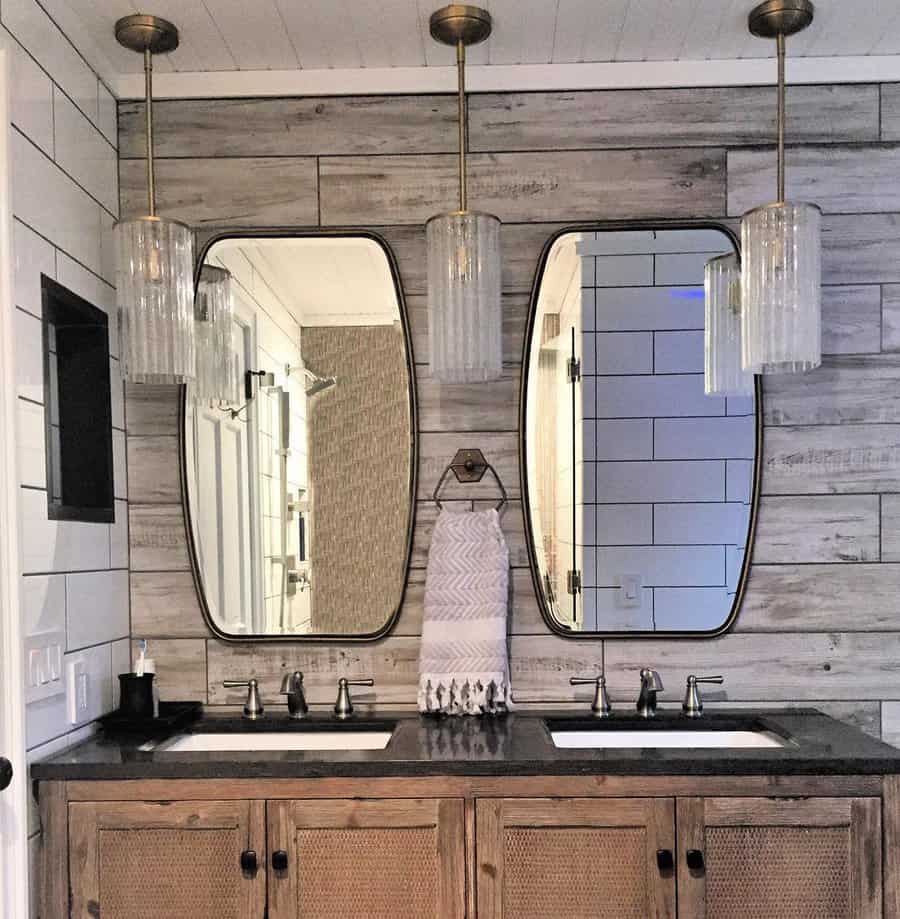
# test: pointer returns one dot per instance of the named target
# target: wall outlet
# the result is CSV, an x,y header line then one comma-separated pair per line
x,y
84,691
43,665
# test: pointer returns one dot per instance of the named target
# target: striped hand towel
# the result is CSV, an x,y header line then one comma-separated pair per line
x,y
464,662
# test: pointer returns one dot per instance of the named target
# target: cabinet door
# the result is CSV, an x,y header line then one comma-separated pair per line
x,y
581,858
371,859
180,860
810,858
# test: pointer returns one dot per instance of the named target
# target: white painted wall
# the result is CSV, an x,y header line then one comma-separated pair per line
x,y
64,179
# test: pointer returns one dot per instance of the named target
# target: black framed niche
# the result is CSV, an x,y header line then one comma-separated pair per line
x,y
77,407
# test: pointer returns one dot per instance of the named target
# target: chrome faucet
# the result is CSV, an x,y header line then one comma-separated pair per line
x,y
343,708
253,707
600,705
693,704
292,687
651,684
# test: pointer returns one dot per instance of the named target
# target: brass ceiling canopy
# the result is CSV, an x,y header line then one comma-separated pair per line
x,y
459,23
147,33
780,17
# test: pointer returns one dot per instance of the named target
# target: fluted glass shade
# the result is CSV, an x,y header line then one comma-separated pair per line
x,y
781,279
155,290
216,382
465,320
723,373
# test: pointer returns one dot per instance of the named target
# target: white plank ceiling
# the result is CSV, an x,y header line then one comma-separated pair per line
x,y
233,35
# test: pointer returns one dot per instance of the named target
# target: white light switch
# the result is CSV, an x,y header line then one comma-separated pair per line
x,y
43,665
628,596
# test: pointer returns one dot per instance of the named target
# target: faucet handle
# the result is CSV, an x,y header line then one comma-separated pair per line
x,y
343,708
253,707
600,705
693,704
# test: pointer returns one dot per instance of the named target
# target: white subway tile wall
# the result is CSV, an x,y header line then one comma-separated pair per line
x,y
664,509
65,198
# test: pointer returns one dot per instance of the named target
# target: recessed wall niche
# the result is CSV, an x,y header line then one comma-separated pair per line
x,y
77,407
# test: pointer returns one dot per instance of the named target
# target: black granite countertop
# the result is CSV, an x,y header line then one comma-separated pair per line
x,y
813,744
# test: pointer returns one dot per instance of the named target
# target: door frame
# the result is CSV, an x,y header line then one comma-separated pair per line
x,y
14,886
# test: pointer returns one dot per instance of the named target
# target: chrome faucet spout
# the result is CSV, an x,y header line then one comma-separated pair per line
x,y
651,684
292,687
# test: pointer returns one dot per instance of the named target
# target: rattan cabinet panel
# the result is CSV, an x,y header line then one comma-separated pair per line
x,y
812,858
181,860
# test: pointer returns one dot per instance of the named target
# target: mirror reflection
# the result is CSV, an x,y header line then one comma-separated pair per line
x,y
640,485
298,482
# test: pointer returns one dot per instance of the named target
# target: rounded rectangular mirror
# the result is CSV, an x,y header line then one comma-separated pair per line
x,y
299,441
640,489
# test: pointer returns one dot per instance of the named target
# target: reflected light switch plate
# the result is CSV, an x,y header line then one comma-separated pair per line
x,y
628,595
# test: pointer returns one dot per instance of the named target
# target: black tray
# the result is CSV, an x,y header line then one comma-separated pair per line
x,y
172,716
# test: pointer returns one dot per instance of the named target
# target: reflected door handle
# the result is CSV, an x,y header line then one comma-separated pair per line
x,y
6,772
695,860
280,860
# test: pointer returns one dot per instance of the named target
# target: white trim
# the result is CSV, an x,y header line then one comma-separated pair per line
x,y
508,78
13,802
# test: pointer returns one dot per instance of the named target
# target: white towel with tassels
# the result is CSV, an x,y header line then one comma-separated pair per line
x,y
464,660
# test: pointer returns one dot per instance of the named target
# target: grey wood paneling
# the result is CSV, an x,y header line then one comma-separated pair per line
x,y
851,319
154,470
821,598
180,668
861,249
800,666
151,409
890,723
841,180
469,406
164,603
814,459
157,537
258,192
832,441
890,111
890,528
669,117
525,186
820,528
845,389
293,127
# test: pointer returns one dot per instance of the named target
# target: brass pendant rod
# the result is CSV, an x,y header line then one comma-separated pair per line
x,y
148,89
780,42
463,127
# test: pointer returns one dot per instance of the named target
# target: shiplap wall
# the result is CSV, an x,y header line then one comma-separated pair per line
x,y
820,621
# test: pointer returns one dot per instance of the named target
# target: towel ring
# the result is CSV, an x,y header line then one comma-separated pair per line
x,y
469,466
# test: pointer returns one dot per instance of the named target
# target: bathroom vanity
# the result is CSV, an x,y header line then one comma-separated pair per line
x,y
487,818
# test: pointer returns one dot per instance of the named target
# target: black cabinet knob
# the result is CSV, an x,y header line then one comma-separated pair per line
x,y
665,861
249,862
280,860
695,860
6,772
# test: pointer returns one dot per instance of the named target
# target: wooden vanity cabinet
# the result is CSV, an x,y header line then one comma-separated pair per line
x,y
396,859
583,847
578,857
181,860
813,858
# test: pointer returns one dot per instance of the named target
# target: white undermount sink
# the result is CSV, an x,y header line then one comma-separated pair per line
x,y
284,740
649,739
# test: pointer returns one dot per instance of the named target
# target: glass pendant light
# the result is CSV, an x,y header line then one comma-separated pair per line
x,y
154,255
781,243
723,373
217,378
465,318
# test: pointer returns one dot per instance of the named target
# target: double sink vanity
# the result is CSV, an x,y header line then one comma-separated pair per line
x,y
379,814
639,497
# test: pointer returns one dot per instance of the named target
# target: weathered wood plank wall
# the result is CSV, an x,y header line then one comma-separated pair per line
x,y
826,578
